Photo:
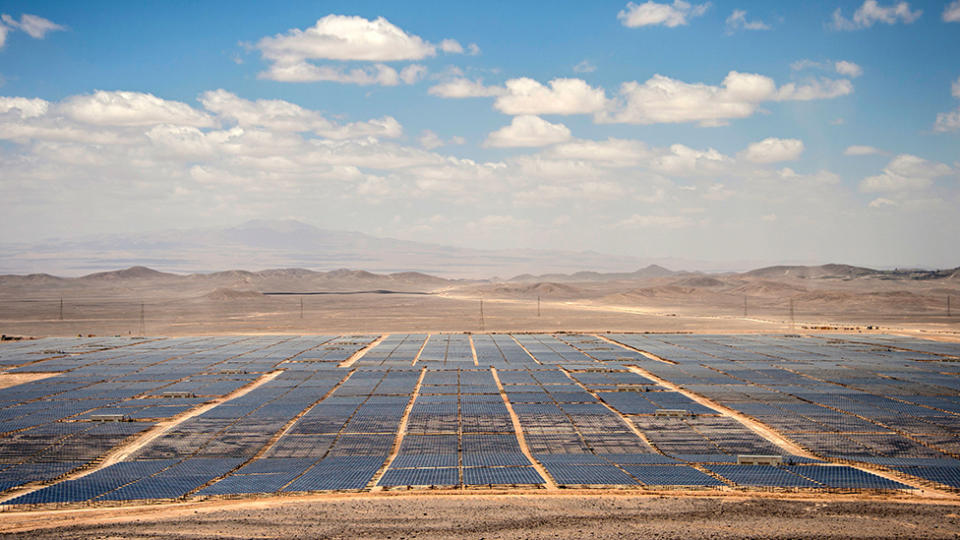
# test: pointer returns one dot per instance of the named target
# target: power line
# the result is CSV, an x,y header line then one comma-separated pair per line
x,y
481,315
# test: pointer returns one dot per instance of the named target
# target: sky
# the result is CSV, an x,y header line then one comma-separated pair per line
x,y
814,132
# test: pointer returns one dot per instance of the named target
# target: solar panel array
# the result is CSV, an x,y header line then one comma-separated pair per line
x,y
270,414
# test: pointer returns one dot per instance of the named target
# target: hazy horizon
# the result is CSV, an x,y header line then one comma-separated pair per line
x,y
727,133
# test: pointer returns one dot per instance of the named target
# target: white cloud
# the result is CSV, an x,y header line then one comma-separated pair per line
x,y
25,107
131,109
772,150
451,46
871,12
3,35
951,13
528,131
381,74
412,73
430,140
949,121
842,67
348,38
279,115
464,88
612,152
585,66
36,27
822,88
664,100
473,49
861,150
738,21
848,69
881,202
681,160
340,37
564,96
905,173
651,13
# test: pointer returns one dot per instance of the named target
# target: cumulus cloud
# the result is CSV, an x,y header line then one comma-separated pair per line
x,y
738,21
951,13
562,96
430,140
464,88
339,37
772,150
279,115
528,131
3,35
871,12
611,152
348,38
949,121
652,13
862,150
24,107
664,100
451,46
381,74
848,69
905,173
822,88
35,27
131,109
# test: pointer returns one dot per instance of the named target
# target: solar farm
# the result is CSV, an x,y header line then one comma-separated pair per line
x,y
106,421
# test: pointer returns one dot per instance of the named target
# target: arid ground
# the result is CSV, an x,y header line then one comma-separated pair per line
x,y
795,301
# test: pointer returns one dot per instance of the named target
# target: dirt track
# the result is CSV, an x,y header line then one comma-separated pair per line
x,y
509,516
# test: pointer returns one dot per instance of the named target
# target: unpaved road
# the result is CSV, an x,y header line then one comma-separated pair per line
x,y
509,516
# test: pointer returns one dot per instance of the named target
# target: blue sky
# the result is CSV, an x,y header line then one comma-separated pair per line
x,y
724,131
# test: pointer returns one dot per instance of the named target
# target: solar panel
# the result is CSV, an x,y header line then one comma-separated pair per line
x,y
761,476
671,475
588,474
843,477
421,477
478,476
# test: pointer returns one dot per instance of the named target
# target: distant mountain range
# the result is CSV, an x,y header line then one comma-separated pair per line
x,y
264,244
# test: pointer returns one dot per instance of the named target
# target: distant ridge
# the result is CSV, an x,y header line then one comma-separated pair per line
x,y
651,271
845,271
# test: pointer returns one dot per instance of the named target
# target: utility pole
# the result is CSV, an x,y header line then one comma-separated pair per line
x,y
301,307
744,305
61,307
948,306
481,314
792,321
538,305
143,331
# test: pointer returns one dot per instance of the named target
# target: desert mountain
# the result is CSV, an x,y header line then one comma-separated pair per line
x,y
288,244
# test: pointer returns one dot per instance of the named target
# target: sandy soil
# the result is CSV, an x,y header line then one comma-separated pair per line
x,y
229,304
503,516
